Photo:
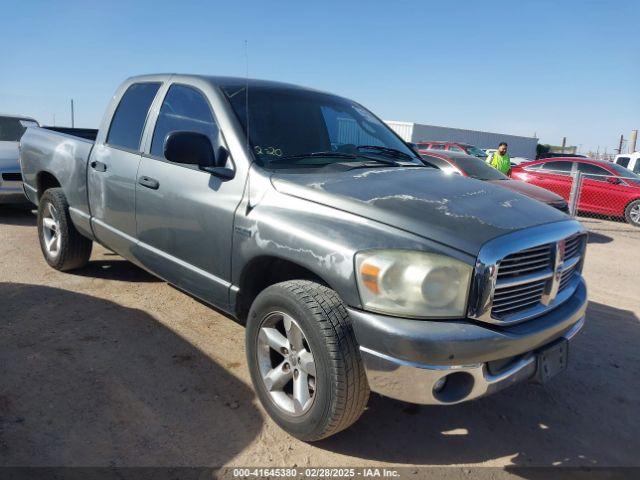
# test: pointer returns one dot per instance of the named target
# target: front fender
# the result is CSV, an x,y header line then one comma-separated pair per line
x,y
321,239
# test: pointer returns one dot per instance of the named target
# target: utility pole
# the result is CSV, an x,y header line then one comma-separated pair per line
x,y
564,143
73,123
631,148
620,145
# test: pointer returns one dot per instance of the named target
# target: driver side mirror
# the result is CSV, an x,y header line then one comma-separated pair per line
x,y
193,148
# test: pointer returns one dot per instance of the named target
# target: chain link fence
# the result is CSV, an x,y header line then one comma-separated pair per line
x,y
599,198
606,197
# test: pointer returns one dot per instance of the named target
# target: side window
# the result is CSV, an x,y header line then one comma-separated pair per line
x,y
557,168
130,115
623,161
183,109
636,167
437,146
453,148
593,172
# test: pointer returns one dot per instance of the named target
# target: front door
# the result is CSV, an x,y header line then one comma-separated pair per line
x,y
113,166
184,215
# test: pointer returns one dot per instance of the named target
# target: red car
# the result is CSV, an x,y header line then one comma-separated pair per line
x,y
452,147
607,188
468,166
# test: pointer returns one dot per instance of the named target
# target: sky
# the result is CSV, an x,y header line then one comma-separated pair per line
x,y
551,69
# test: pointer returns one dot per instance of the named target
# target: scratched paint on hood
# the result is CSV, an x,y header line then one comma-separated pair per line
x,y
453,210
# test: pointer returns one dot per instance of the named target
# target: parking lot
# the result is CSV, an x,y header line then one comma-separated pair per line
x,y
110,366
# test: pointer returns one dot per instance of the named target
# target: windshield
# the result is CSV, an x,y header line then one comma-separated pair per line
x,y
623,172
478,169
11,129
290,127
475,151
629,176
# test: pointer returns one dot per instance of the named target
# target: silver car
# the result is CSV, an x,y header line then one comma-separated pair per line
x,y
11,129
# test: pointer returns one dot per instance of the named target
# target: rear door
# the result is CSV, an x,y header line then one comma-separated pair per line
x,y
554,176
185,215
113,166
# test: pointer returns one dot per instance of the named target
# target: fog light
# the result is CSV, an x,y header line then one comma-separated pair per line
x,y
439,385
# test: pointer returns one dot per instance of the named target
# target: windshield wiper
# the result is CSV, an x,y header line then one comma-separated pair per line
x,y
330,154
388,150
298,156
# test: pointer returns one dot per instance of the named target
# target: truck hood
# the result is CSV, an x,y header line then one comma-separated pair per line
x,y
456,211
540,194
8,155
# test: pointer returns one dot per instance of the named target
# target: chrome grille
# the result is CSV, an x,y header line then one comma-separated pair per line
x,y
522,275
525,262
513,299
525,277
573,247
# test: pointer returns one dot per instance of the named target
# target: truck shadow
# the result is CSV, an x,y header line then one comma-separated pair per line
x,y
115,268
586,417
86,381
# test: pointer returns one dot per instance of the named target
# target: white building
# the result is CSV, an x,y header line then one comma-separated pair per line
x,y
417,132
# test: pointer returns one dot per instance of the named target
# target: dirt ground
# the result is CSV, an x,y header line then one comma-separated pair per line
x,y
109,366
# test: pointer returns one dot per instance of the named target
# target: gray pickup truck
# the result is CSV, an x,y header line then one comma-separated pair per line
x,y
354,265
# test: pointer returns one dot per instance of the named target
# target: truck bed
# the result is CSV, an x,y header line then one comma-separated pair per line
x,y
86,133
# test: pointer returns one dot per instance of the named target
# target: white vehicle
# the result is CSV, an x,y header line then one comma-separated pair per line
x,y
630,161
11,129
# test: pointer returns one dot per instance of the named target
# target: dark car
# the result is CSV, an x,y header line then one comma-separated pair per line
x,y
468,166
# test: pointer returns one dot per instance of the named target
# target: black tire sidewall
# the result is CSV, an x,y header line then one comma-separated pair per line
x,y
56,198
311,423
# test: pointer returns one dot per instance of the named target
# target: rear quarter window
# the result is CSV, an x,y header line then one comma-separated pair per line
x,y
130,116
623,161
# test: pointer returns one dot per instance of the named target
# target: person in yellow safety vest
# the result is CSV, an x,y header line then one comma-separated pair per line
x,y
500,160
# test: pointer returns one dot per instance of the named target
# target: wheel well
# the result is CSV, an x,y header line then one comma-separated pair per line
x,y
45,181
263,272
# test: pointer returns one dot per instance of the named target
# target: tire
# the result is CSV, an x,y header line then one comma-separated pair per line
x,y
339,390
67,249
632,213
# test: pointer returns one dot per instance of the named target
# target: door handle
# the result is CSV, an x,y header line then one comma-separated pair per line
x,y
98,166
149,182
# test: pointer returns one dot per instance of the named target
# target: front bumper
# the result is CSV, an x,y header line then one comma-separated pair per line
x,y
405,359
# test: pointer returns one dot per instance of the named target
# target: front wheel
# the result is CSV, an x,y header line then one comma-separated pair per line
x,y
63,247
304,359
632,213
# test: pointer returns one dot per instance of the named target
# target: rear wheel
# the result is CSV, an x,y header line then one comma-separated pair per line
x,y
632,213
63,247
304,360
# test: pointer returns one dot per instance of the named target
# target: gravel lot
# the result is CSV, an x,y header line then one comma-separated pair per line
x,y
110,366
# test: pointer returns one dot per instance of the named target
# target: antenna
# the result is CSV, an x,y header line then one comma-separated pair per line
x,y
246,91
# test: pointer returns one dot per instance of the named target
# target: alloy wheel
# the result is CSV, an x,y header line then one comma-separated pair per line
x,y
51,231
635,214
286,363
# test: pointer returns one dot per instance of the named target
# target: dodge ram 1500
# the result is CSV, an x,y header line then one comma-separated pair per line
x,y
355,266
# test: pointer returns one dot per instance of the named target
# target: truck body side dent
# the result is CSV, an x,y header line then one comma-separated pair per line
x,y
46,154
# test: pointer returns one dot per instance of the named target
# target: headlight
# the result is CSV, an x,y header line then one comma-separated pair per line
x,y
414,284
